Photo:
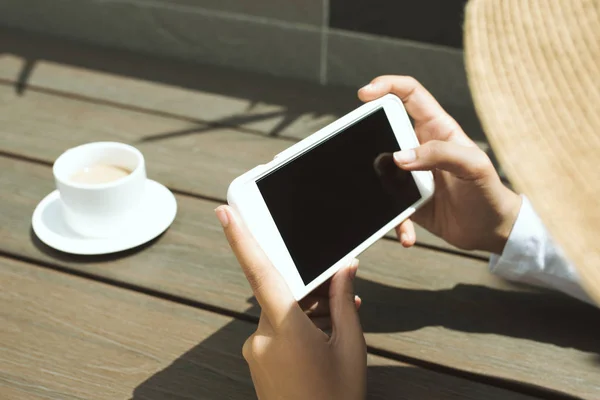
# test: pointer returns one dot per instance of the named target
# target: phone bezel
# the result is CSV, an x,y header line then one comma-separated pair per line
x,y
245,197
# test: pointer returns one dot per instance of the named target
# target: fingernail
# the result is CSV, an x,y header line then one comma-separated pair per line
x,y
373,86
222,216
368,86
353,268
405,156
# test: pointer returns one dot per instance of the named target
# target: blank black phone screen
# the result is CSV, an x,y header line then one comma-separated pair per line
x,y
331,198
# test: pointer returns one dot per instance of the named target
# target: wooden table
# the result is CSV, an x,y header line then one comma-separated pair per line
x,y
168,320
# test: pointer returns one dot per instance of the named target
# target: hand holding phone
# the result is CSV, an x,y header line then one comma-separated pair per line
x,y
324,200
289,356
470,203
471,208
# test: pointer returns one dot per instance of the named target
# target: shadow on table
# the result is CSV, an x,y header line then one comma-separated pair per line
x,y
215,369
543,316
83,259
296,98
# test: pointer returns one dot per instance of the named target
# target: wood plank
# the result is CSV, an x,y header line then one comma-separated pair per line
x,y
65,337
265,104
432,306
69,338
272,106
196,158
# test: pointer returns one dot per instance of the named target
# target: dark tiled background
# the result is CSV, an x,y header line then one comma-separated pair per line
x,y
430,21
328,42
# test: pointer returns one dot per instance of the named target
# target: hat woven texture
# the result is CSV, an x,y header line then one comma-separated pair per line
x,y
534,72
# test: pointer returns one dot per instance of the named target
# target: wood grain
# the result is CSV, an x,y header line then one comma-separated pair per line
x,y
272,106
431,306
267,105
65,337
263,104
192,157
69,338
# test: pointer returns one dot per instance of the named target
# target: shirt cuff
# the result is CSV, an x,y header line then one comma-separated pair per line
x,y
531,257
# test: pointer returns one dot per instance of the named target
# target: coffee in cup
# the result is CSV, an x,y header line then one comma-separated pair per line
x,y
99,173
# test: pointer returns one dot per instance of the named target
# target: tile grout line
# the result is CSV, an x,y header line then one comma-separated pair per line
x,y
324,43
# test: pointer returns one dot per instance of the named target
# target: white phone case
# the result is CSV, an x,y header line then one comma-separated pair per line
x,y
243,194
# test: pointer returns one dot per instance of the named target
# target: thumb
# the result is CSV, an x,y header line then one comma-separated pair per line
x,y
346,328
466,162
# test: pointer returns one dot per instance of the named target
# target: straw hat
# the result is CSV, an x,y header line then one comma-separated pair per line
x,y
534,72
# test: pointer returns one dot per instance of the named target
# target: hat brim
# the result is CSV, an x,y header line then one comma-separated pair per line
x,y
533,69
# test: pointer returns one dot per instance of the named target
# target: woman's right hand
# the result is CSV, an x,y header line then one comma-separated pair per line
x,y
290,356
471,207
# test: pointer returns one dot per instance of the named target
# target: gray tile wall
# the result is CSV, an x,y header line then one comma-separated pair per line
x,y
278,37
356,58
186,29
428,21
310,12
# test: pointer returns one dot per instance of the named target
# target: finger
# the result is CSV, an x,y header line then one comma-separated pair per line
x,y
464,162
319,297
406,233
357,302
346,329
417,100
420,105
269,287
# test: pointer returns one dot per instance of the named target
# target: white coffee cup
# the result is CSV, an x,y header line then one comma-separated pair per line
x,y
101,210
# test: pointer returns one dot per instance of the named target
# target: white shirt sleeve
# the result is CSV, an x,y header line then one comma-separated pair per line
x,y
531,257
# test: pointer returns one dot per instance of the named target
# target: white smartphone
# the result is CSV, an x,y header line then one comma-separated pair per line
x,y
324,200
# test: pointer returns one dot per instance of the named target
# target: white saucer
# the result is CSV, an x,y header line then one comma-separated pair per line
x,y
157,212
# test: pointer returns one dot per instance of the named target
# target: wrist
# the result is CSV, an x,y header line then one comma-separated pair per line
x,y
508,211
